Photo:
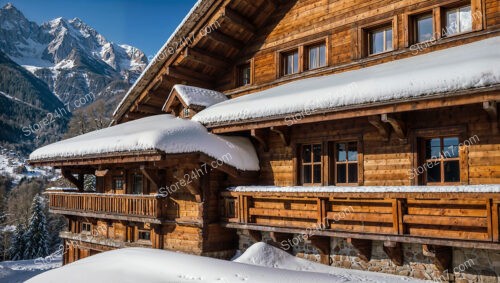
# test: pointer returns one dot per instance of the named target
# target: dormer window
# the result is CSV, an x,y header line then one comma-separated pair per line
x,y
185,113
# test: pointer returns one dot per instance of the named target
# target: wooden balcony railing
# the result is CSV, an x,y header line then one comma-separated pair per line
x,y
108,205
406,217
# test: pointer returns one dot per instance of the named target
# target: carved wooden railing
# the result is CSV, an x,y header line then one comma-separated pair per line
x,y
143,206
459,216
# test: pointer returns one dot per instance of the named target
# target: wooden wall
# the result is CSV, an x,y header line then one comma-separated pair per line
x,y
389,162
340,23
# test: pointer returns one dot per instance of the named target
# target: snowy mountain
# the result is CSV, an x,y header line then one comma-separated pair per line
x,y
70,56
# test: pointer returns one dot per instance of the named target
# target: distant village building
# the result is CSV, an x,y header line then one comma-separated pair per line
x,y
356,134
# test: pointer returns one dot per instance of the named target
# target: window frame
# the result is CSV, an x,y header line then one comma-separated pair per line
x,y
283,61
86,224
414,28
312,163
307,55
240,74
383,28
444,19
116,178
334,163
441,161
134,175
143,231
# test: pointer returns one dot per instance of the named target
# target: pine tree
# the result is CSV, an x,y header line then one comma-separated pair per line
x,y
18,243
37,236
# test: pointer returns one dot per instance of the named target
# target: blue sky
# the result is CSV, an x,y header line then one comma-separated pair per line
x,y
145,24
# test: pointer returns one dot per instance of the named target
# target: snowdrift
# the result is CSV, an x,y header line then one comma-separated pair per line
x,y
260,263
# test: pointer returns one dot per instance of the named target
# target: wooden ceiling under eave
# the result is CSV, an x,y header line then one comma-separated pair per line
x,y
208,55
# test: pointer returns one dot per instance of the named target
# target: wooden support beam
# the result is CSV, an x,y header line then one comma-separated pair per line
x,y
283,132
397,125
441,255
261,136
322,244
394,251
256,235
491,108
206,58
152,176
363,247
239,20
77,182
382,128
225,39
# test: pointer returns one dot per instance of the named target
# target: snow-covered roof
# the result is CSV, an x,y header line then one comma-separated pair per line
x,y
441,72
494,188
198,96
165,133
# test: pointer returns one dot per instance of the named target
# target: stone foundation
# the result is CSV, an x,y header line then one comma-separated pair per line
x,y
468,265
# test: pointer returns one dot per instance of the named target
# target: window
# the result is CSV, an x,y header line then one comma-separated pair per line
x,y
311,165
290,62
117,183
423,28
185,112
316,56
458,20
137,184
380,40
144,235
442,160
244,77
86,227
346,163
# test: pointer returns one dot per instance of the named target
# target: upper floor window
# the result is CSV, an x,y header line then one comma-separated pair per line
x,y
380,40
144,235
458,20
311,164
244,77
185,112
118,183
442,160
316,56
423,28
290,62
346,163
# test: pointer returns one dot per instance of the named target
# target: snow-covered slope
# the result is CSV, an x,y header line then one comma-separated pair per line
x,y
70,56
150,265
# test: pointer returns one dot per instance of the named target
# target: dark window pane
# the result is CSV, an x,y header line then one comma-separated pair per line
x,y
137,184
306,153
317,174
341,152
424,28
433,172
450,149
353,173
432,148
353,151
341,173
317,152
306,173
451,171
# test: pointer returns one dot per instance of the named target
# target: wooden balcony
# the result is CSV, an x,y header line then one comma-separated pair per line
x,y
142,208
468,220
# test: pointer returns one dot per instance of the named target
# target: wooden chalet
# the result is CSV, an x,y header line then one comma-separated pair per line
x,y
370,126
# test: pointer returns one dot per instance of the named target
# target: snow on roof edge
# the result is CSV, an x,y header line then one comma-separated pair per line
x,y
492,188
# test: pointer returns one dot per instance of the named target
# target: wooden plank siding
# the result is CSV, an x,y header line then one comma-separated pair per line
x,y
469,217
